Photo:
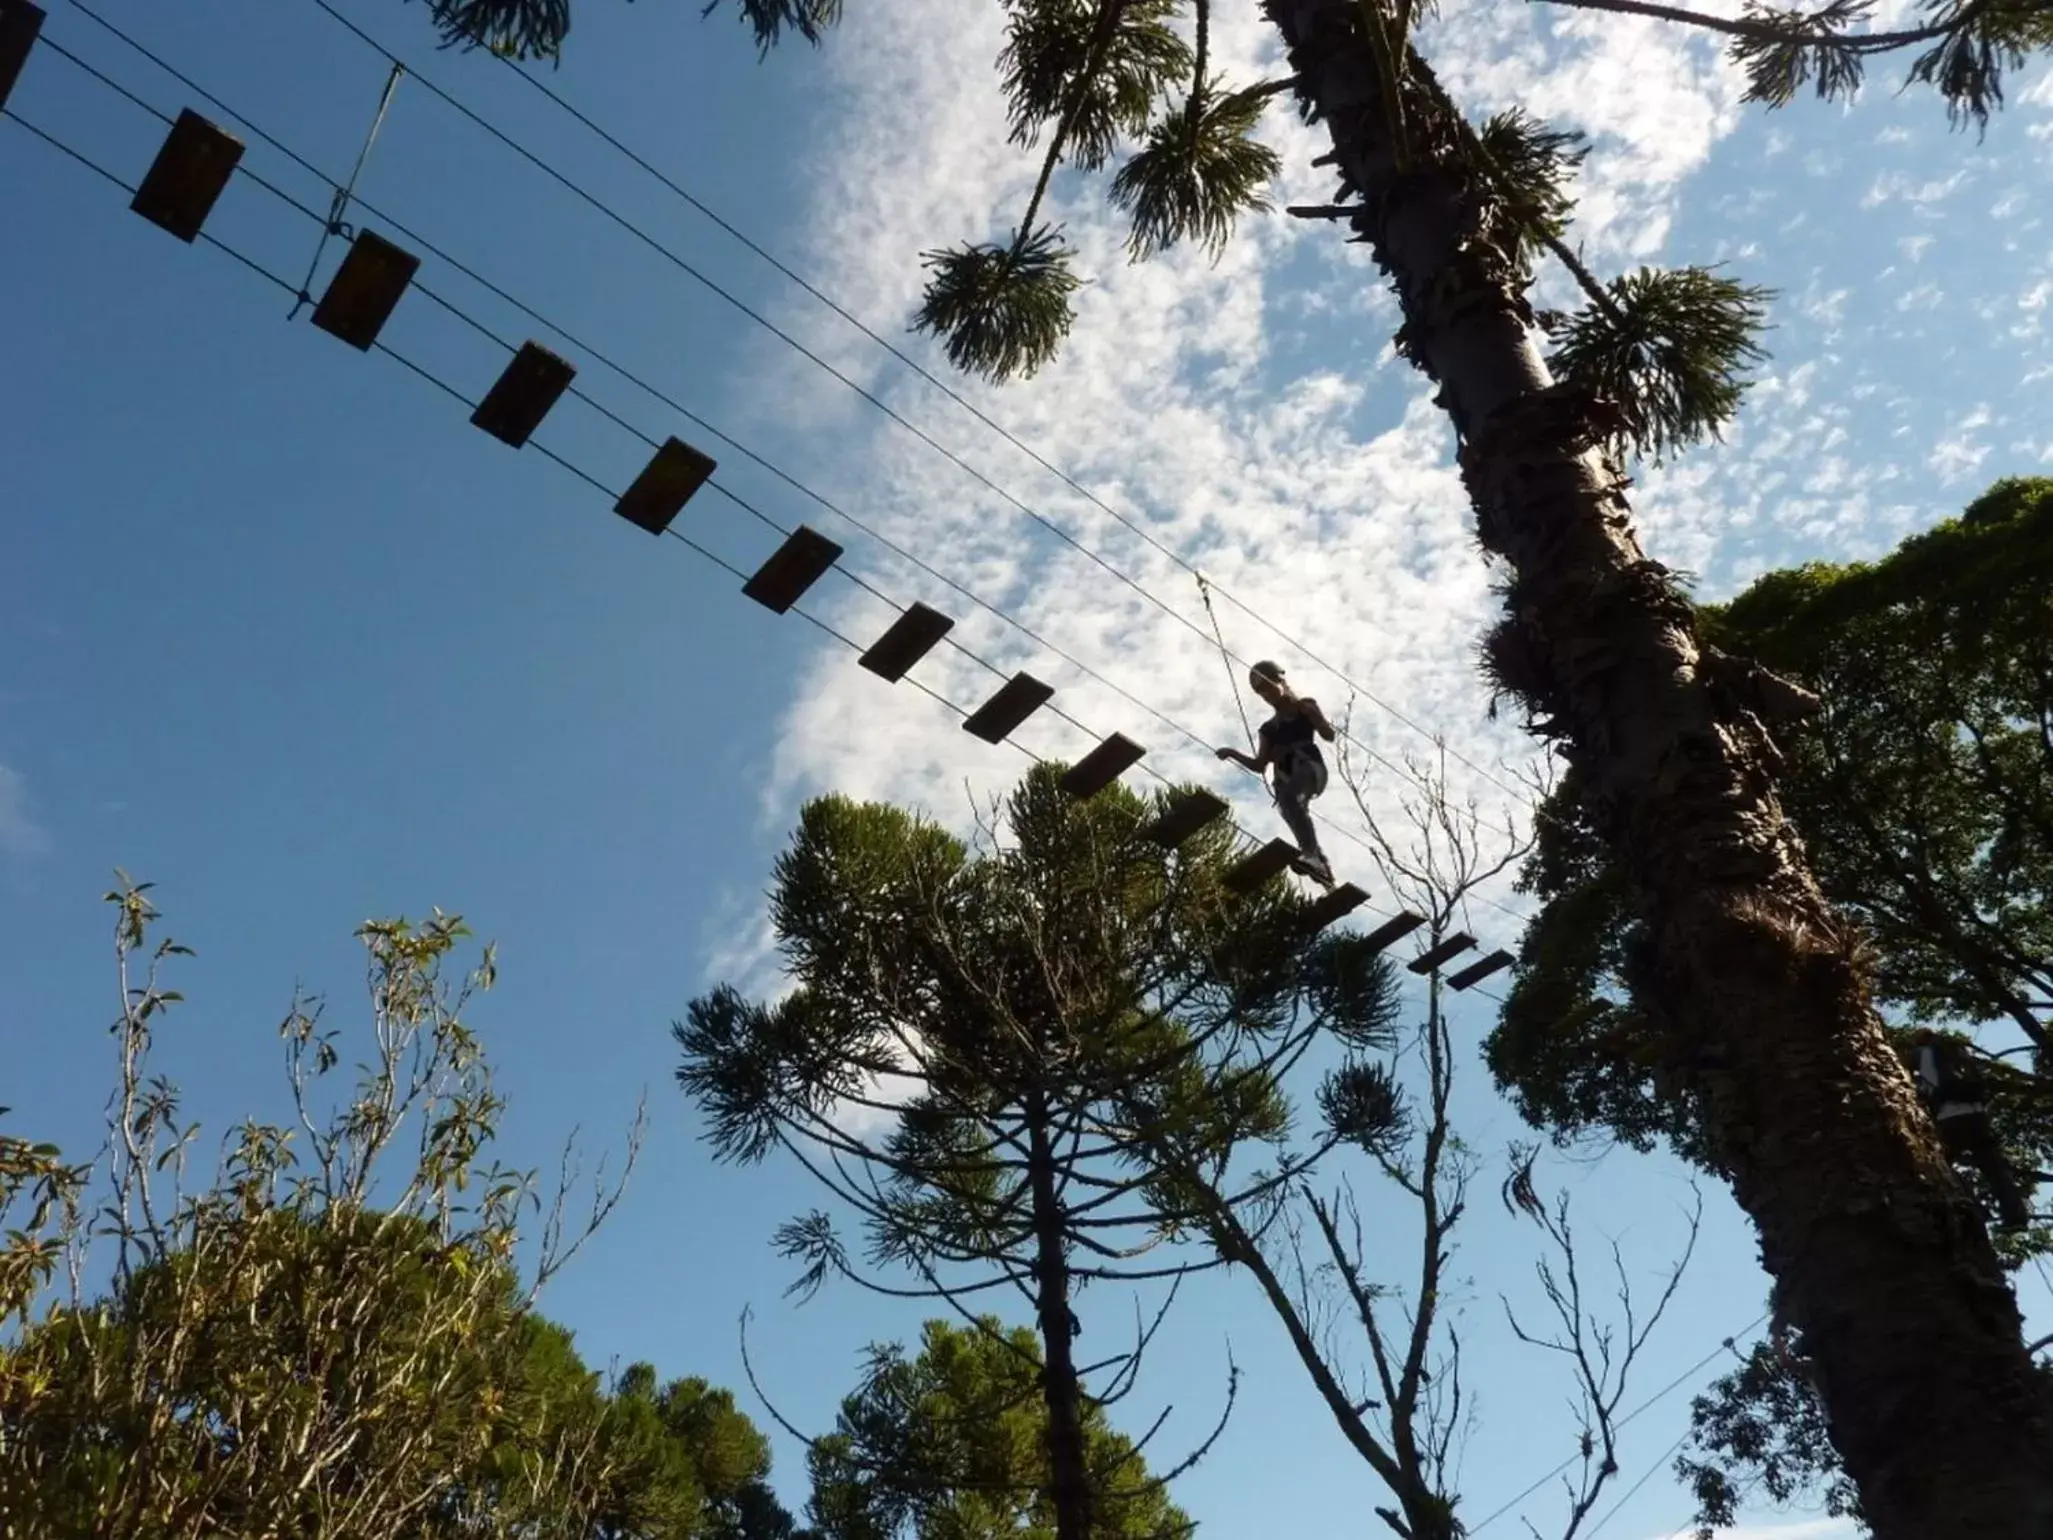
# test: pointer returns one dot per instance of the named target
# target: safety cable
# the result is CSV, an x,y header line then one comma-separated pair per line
x,y
1340,830
446,388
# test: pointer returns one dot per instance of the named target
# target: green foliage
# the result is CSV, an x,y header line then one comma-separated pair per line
x,y
950,1445
1966,65
1971,45
536,29
1047,73
513,29
1669,348
1071,1037
1075,975
39,1198
1764,1418
1573,1047
772,20
1364,1106
1002,311
276,1353
1799,48
1924,792
1530,167
1199,172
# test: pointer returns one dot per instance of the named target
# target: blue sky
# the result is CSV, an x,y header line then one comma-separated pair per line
x,y
284,634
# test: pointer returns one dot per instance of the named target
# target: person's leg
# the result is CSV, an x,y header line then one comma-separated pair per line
x,y
1971,1138
1993,1161
1300,781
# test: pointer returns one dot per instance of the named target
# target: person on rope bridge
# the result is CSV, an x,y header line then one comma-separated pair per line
x,y
1287,748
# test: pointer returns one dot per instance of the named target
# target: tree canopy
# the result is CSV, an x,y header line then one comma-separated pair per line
x,y
324,1340
951,1444
1068,1043
1924,791
1924,794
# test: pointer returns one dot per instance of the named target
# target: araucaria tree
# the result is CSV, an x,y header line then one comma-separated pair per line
x,y
990,1055
1767,990
950,1444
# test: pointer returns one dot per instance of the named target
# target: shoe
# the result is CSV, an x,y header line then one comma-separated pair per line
x,y
1317,868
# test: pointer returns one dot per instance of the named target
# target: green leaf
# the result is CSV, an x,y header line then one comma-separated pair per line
x,y
1001,311
1669,351
1362,1104
1200,170
1048,46
1967,65
770,20
515,29
1531,167
1811,46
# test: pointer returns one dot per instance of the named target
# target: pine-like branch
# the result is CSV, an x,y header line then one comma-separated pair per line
x,y
1669,352
1058,68
1782,51
535,29
1199,172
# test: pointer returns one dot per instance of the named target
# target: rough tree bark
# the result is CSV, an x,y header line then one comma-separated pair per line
x,y
1069,1474
1936,1408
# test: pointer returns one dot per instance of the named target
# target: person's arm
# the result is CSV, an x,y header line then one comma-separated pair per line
x,y
1316,717
1252,762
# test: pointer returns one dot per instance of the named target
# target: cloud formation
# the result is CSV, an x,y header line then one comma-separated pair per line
x,y
1250,416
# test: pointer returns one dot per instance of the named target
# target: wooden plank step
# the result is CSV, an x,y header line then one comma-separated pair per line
x,y
1266,864
1475,973
793,567
912,636
365,290
666,483
1102,766
1017,699
1453,946
530,385
186,179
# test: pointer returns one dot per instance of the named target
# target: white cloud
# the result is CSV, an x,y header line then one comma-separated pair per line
x,y
1183,400
20,834
1959,453
1902,187
1251,416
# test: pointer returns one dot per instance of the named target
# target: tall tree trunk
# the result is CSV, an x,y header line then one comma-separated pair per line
x,y
1068,1470
1936,1408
